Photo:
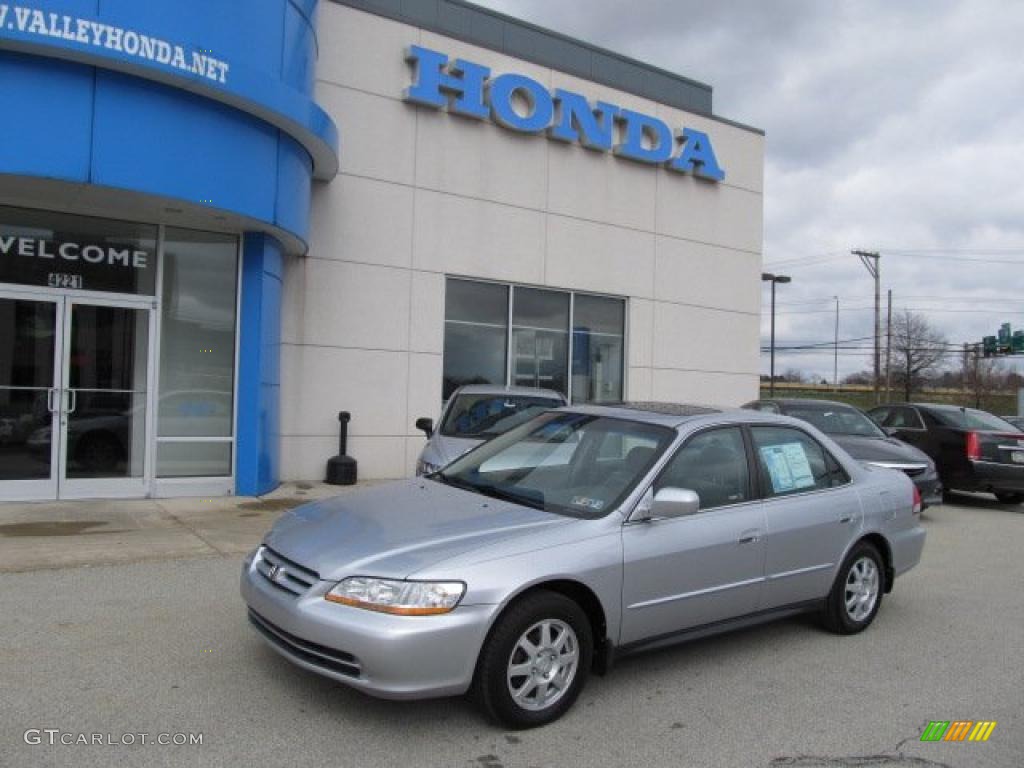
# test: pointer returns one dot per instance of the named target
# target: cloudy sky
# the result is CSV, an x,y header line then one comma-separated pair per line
x,y
891,126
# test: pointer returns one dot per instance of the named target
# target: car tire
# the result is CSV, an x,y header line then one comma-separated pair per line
x,y
856,595
558,631
1009,498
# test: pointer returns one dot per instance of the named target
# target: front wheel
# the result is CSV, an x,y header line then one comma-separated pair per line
x,y
1009,498
856,594
535,662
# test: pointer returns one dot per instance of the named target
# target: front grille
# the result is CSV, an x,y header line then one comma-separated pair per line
x,y
283,573
312,653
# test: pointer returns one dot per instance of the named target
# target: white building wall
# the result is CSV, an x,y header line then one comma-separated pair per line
x,y
424,193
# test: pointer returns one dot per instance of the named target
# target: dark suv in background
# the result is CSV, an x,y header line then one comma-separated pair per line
x,y
973,450
860,437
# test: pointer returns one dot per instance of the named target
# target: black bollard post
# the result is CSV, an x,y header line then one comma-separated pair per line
x,y
341,469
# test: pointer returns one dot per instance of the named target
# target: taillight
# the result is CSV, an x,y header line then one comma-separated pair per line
x,y
918,505
973,446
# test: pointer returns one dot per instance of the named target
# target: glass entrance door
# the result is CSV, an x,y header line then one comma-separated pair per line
x,y
74,397
105,400
30,351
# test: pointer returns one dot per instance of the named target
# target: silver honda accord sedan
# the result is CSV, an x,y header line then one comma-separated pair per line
x,y
582,535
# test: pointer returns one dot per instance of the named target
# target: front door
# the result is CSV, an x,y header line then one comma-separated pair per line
x,y
74,397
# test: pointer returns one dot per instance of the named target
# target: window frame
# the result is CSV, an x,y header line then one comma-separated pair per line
x,y
763,493
753,486
511,288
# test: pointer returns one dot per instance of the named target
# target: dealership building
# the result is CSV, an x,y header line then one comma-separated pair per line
x,y
222,223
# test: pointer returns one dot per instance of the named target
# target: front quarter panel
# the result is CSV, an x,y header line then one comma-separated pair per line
x,y
588,553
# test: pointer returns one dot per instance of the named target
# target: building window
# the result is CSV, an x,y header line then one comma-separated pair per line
x,y
540,338
514,335
598,341
195,426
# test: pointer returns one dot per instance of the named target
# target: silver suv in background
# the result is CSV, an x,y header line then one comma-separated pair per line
x,y
476,413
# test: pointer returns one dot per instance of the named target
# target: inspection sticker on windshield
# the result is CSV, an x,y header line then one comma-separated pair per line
x,y
584,501
788,467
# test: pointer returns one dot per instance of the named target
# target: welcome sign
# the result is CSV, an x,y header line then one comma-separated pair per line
x,y
520,103
34,256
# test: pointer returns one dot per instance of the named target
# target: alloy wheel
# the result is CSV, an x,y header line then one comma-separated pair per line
x,y
861,592
543,664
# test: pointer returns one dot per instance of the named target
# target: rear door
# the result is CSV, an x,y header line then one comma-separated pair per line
x,y
684,572
812,513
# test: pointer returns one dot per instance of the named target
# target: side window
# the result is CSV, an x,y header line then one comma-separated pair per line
x,y
905,418
791,461
714,464
879,415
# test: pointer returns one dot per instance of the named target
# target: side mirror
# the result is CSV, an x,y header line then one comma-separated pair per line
x,y
890,431
674,502
425,425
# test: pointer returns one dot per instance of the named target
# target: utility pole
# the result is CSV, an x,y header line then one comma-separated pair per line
x,y
835,362
874,269
888,350
768,277
966,376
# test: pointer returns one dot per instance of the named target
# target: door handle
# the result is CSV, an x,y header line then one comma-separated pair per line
x,y
50,400
72,401
748,538
845,520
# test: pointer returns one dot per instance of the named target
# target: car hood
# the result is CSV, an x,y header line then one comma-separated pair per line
x,y
880,449
395,529
450,448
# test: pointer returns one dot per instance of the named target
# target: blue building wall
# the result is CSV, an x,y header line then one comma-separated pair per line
x,y
259,365
250,145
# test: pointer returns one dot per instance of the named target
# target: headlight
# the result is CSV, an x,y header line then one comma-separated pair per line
x,y
426,468
405,598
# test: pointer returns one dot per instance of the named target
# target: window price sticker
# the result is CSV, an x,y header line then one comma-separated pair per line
x,y
787,466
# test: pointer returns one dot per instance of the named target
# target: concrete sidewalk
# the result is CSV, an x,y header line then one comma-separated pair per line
x,y
35,536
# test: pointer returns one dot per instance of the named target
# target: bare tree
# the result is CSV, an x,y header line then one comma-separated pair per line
x,y
918,349
984,375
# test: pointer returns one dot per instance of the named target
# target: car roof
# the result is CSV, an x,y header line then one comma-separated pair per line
x,y
805,401
666,414
497,389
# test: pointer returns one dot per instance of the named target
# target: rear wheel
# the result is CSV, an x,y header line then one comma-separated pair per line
x,y
535,662
856,594
1009,498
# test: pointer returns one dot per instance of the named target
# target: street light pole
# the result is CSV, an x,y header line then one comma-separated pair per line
x,y
835,362
768,277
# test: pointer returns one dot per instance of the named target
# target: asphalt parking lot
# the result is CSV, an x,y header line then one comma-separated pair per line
x,y
164,647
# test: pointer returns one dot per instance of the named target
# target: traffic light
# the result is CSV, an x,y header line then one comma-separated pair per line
x,y
1005,336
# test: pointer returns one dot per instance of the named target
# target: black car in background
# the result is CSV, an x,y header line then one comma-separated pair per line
x,y
860,437
973,450
1017,421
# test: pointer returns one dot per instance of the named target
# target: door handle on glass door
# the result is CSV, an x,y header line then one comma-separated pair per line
x,y
51,400
72,402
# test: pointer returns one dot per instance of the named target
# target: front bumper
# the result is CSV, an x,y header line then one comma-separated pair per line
x,y
392,657
930,488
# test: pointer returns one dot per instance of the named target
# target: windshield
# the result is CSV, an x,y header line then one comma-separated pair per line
x,y
483,416
837,421
569,463
970,418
